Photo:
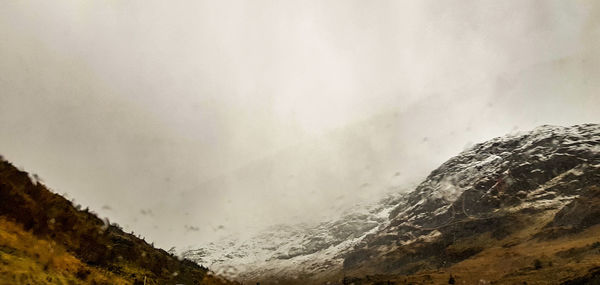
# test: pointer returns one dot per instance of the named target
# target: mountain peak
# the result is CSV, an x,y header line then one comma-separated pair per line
x,y
487,194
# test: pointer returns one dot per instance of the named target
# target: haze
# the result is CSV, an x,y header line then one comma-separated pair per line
x,y
188,120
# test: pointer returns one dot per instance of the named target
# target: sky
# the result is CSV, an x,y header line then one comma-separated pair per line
x,y
185,121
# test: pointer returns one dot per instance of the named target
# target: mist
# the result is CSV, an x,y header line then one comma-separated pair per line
x,y
185,121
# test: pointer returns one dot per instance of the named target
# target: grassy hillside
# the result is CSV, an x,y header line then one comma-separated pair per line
x,y
45,239
523,257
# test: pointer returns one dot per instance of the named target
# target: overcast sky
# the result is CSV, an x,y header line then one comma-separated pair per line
x,y
188,120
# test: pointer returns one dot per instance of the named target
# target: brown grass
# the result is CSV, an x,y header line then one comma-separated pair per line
x,y
45,239
513,260
28,259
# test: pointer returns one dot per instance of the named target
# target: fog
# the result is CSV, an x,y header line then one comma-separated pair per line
x,y
188,120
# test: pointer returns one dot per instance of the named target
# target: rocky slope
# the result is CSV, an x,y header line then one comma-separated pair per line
x,y
45,239
486,194
293,251
537,190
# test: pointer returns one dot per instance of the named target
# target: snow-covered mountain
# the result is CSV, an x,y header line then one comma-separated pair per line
x,y
489,193
295,250
485,189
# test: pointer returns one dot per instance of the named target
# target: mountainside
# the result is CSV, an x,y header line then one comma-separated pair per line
x,y
523,207
519,208
294,251
45,239
529,189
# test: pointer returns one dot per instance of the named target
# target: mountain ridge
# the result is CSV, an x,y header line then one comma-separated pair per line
x,y
491,192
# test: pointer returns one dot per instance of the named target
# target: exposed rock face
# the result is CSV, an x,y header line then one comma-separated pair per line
x,y
488,192
491,188
578,215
